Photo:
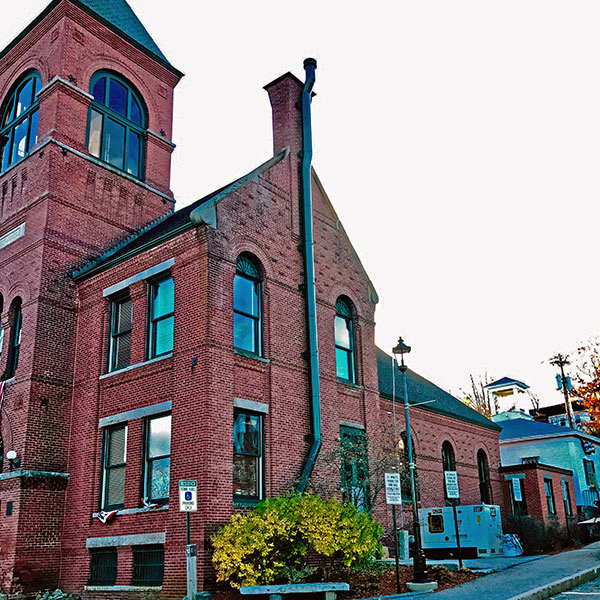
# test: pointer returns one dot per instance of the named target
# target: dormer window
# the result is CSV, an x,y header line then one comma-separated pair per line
x,y
19,123
117,124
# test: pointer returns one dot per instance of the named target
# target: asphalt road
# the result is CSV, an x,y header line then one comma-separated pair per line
x,y
521,579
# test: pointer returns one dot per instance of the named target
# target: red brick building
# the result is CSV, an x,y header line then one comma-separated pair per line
x,y
540,491
144,346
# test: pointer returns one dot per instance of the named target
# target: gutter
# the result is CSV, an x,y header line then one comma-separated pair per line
x,y
310,65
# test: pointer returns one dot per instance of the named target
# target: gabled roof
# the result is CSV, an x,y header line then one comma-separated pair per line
x,y
172,224
118,16
422,390
513,429
505,382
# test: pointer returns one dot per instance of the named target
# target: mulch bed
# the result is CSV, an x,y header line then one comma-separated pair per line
x,y
375,582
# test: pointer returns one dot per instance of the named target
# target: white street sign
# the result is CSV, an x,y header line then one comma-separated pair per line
x,y
393,490
517,489
451,478
188,496
565,489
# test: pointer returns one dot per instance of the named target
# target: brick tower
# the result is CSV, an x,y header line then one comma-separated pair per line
x,y
85,152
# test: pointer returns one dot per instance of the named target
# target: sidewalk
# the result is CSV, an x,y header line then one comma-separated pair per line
x,y
532,580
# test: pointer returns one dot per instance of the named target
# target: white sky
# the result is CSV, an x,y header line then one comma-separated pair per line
x,y
459,142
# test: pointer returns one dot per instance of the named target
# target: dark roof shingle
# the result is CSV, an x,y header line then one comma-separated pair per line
x,y
119,14
422,390
171,224
524,428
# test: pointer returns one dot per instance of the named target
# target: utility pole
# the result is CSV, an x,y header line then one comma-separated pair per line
x,y
560,361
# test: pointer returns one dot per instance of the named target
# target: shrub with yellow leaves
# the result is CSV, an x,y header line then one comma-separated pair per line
x,y
276,538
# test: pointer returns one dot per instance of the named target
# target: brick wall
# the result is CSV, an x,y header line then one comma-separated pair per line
x,y
73,208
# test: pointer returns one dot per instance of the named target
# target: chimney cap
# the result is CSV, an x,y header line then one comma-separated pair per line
x,y
311,62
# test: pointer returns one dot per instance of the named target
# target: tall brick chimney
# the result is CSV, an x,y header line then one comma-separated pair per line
x,y
285,94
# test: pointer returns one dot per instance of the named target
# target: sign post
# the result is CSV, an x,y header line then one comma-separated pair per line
x,y
393,496
518,498
452,493
566,503
188,502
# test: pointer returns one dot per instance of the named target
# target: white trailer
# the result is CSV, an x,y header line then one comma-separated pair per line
x,y
479,526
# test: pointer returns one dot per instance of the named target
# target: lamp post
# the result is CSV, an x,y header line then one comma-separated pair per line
x,y
420,575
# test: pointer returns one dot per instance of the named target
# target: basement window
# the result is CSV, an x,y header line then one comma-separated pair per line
x,y
148,565
103,566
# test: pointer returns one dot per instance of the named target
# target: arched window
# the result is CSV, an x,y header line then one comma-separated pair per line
x,y
484,478
19,123
117,124
345,356
247,306
14,347
448,464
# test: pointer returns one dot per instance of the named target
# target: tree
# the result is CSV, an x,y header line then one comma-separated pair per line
x,y
587,382
357,466
479,398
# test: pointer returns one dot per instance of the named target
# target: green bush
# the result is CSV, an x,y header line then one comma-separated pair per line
x,y
275,539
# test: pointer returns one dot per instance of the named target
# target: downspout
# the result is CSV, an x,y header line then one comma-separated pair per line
x,y
310,65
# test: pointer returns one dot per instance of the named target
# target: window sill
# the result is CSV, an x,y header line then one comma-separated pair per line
x,y
123,588
349,384
136,366
242,503
251,355
136,511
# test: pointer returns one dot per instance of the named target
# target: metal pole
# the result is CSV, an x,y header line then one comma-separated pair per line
x,y
191,557
561,361
458,549
187,529
419,563
397,548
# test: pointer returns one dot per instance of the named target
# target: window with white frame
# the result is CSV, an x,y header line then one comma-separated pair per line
x,y
247,306
114,458
549,492
161,317
157,455
248,455
119,334
345,343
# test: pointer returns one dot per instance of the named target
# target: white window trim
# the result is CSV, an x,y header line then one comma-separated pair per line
x,y
139,539
251,405
138,413
151,272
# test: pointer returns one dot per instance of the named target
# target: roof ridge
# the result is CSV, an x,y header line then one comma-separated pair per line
x,y
113,249
120,17
195,217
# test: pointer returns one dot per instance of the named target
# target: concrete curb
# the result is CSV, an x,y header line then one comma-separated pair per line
x,y
556,587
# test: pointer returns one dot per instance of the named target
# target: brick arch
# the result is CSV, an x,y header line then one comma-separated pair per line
x,y
255,250
340,289
481,445
12,290
110,63
20,68
448,437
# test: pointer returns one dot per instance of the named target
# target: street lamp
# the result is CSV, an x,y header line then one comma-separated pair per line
x,y
420,575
